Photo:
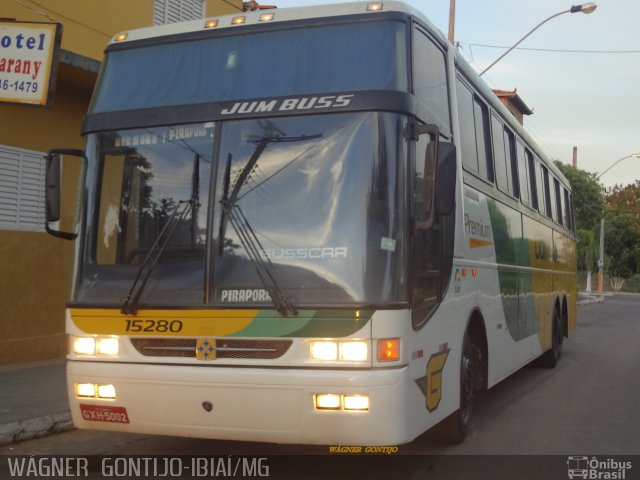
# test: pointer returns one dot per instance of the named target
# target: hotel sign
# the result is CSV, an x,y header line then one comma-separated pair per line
x,y
28,60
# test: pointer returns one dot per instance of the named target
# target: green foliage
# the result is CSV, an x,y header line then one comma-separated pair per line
x,y
622,231
587,250
622,244
625,199
588,203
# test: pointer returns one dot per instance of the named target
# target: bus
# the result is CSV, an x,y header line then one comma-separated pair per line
x,y
306,226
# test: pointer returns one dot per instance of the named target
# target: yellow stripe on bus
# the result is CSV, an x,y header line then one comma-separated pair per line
x,y
188,323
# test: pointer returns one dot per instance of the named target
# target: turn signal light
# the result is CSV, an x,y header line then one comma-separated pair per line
x,y
389,350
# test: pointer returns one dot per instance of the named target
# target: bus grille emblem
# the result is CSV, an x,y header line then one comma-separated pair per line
x,y
206,349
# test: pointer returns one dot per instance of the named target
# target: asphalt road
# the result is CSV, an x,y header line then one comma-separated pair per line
x,y
525,427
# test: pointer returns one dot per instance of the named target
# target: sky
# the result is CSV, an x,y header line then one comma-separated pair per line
x,y
587,100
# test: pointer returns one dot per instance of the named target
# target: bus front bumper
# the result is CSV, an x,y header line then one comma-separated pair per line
x,y
248,404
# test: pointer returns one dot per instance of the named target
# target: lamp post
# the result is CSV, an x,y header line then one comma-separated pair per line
x,y
584,8
601,259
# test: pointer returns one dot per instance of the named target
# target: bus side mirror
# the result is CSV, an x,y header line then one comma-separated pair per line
x,y
63,192
437,188
445,196
52,188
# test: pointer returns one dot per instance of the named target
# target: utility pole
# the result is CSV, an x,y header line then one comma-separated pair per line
x,y
575,157
452,18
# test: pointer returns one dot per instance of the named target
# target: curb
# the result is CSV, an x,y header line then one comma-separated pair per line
x,y
37,427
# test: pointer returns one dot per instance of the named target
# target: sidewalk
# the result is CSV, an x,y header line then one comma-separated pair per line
x,y
33,401
588,298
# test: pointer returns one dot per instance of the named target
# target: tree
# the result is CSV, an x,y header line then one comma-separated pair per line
x,y
626,199
587,253
622,231
588,202
588,208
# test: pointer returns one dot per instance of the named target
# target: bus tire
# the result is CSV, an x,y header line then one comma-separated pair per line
x,y
551,357
455,427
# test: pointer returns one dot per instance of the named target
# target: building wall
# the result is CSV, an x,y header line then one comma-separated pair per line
x,y
36,268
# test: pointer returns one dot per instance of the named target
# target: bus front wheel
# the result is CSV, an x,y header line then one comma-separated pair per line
x,y
454,428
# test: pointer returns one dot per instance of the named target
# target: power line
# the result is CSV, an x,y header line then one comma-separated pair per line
x,y
556,50
57,14
234,6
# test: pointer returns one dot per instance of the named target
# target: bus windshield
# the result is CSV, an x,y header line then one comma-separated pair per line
x,y
328,59
310,205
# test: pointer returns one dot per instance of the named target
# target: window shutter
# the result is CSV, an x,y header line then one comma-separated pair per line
x,y
171,11
22,177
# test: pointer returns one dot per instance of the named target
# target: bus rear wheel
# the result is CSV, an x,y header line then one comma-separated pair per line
x,y
551,357
455,427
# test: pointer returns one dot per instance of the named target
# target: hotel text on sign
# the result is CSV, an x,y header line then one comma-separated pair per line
x,y
28,54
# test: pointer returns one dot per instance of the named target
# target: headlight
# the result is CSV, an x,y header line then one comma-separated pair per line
x,y
354,351
102,346
84,345
346,351
107,346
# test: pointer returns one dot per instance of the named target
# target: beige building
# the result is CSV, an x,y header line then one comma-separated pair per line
x,y
35,268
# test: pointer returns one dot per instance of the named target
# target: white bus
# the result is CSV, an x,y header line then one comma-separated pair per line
x,y
310,225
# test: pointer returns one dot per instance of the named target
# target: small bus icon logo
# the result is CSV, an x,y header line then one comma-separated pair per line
x,y
578,467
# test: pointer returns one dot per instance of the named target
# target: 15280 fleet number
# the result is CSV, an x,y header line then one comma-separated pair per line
x,y
153,326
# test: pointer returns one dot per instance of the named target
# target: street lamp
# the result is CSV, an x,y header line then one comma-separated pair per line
x,y
601,259
584,8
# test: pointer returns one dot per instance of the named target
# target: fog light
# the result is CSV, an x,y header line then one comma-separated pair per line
x,y
356,402
106,391
327,402
86,390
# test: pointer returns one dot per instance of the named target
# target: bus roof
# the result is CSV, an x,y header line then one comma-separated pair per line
x,y
267,17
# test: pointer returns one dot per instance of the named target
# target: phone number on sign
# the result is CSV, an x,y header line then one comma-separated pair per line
x,y
24,86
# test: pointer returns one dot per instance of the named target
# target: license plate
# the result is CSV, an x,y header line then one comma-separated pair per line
x,y
100,413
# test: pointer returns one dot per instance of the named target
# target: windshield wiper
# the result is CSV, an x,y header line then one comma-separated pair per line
x,y
130,303
231,213
255,253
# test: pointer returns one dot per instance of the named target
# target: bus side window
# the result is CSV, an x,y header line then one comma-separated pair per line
x,y
499,156
547,192
567,209
564,201
558,201
483,143
540,191
430,77
512,165
467,127
475,142
553,198
571,212
531,170
523,174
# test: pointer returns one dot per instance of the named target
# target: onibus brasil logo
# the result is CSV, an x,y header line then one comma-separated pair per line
x,y
597,469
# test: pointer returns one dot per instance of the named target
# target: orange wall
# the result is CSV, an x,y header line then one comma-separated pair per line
x,y
90,24
36,268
